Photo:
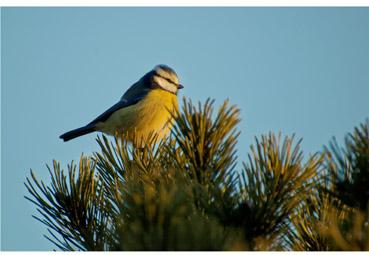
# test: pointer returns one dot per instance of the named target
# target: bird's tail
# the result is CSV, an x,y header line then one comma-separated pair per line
x,y
77,132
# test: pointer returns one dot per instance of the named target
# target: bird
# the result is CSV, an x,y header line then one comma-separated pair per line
x,y
146,108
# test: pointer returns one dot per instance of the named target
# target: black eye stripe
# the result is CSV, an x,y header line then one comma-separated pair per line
x,y
168,80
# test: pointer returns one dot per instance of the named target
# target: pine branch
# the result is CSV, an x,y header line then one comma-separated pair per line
x,y
184,193
350,167
275,181
349,234
72,206
326,220
205,149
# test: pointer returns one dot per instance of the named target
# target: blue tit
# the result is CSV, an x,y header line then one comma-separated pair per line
x,y
145,108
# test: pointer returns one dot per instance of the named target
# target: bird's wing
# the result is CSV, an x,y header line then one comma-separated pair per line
x,y
131,97
136,90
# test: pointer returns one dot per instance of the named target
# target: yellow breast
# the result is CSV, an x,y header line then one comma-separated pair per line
x,y
151,114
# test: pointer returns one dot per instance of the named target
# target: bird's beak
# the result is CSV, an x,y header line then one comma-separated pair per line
x,y
180,86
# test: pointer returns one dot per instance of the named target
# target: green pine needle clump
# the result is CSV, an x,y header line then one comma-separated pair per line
x,y
187,193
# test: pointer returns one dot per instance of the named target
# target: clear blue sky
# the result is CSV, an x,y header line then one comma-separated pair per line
x,y
295,70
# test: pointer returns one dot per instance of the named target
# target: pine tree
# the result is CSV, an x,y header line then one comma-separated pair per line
x,y
186,192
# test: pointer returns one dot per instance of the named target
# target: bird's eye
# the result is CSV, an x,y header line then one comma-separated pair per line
x,y
170,81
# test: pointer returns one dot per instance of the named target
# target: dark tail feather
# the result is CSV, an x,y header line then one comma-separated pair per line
x,y
77,132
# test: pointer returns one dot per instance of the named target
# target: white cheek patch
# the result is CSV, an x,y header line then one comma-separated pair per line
x,y
167,75
164,84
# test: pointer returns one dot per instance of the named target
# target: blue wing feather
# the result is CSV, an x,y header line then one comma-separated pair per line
x,y
121,104
132,96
